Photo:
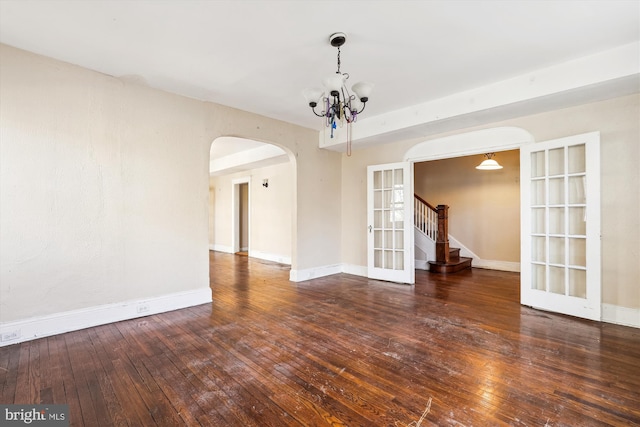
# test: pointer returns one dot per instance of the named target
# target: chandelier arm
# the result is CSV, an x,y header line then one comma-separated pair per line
x,y
314,112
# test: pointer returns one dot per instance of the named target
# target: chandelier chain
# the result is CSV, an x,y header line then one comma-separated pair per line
x,y
338,72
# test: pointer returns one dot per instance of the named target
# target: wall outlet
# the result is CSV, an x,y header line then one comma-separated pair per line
x,y
142,308
10,336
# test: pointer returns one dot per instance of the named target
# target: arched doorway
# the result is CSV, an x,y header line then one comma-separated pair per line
x,y
251,199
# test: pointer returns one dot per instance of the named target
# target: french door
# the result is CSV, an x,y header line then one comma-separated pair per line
x,y
390,251
560,191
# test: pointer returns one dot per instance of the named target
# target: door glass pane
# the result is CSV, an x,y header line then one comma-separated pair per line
x,y
577,283
388,239
377,258
576,190
556,220
537,221
556,191
377,239
388,194
577,159
377,180
537,193
556,250
387,179
388,219
377,219
399,260
388,259
577,221
538,253
399,239
377,199
556,161
556,280
398,177
538,277
578,252
537,164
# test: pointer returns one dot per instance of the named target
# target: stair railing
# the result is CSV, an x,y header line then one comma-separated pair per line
x,y
425,217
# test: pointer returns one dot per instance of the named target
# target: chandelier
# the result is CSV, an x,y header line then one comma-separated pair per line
x,y
339,105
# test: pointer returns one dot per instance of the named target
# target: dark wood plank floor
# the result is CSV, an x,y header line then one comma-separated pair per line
x,y
454,350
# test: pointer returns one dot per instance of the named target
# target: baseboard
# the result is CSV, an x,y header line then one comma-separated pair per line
x,y
74,320
314,273
422,264
496,265
270,257
356,270
621,315
221,248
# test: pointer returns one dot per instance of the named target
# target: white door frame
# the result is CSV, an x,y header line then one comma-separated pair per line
x,y
235,214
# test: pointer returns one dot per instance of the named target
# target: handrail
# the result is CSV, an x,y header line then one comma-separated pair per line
x,y
425,217
425,202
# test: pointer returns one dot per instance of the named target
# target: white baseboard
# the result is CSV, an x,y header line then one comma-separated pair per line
x,y
74,320
270,257
496,265
621,315
356,270
422,264
314,273
221,248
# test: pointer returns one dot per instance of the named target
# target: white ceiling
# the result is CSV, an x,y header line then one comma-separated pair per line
x,y
258,55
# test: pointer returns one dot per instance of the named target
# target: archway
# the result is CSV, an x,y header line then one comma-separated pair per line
x,y
267,172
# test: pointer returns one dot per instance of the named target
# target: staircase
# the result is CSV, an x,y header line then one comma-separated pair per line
x,y
432,239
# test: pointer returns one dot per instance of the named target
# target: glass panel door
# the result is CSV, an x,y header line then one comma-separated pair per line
x,y
561,225
390,242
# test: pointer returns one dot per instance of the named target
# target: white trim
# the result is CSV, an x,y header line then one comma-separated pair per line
x,y
74,320
281,259
221,248
356,270
469,143
496,265
422,264
314,273
621,315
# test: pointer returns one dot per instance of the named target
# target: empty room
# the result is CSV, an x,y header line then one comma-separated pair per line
x,y
344,213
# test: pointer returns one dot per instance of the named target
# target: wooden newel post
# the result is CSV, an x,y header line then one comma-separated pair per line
x,y
442,239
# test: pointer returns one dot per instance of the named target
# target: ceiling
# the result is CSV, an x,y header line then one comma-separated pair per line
x,y
258,55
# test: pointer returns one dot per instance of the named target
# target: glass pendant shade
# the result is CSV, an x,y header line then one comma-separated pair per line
x,y
334,82
313,95
489,164
362,90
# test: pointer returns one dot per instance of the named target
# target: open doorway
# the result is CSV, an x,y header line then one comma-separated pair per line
x,y
484,207
241,217
251,199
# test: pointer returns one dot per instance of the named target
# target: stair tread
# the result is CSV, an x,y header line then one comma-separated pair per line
x,y
460,260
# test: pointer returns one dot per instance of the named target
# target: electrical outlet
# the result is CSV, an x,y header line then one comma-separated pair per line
x,y
10,336
143,308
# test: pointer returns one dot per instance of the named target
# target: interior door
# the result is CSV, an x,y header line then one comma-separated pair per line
x,y
560,190
390,222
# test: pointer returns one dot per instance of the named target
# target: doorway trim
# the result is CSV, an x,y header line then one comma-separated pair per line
x,y
469,143
235,215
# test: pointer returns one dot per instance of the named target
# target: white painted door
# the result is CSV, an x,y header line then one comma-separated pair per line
x,y
390,222
560,190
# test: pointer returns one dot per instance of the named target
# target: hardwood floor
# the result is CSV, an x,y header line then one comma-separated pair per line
x,y
453,350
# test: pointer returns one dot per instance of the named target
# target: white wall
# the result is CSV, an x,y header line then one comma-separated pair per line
x,y
270,215
104,196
